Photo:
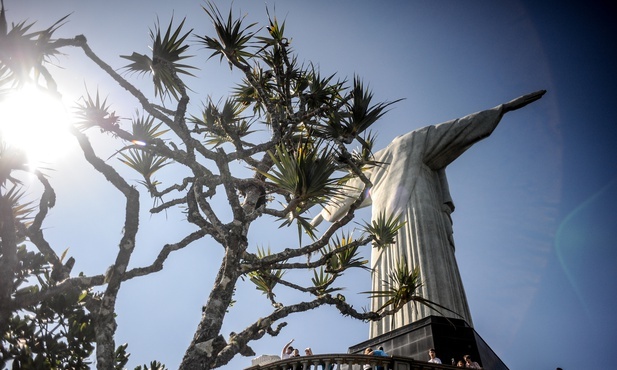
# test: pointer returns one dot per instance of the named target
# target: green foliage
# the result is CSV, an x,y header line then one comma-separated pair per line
x,y
364,155
24,53
94,112
403,285
346,258
362,113
121,356
145,162
318,91
357,116
322,280
305,173
384,229
145,129
22,210
341,255
138,156
56,333
167,52
222,124
233,38
266,279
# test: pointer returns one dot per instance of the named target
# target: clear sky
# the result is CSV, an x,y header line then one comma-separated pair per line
x,y
534,223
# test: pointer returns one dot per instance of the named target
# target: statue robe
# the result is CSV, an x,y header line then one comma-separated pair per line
x,y
413,185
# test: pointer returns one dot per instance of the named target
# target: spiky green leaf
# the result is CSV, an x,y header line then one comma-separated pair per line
x,y
233,38
265,280
384,229
164,65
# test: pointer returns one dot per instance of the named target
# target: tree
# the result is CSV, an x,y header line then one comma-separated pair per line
x,y
51,317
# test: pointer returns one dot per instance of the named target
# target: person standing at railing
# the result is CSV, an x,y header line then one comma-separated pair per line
x,y
432,357
287,350
380,352
470,364
368,351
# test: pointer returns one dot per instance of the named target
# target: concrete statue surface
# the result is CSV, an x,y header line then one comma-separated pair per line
x,y
413,185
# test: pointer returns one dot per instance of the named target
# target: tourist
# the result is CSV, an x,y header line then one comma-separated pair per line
x,y
432,358
369,352
382,353
308,351
295,353
287,350
471,364
460,363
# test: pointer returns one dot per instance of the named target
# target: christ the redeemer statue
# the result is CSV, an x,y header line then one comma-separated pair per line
x,y
413,184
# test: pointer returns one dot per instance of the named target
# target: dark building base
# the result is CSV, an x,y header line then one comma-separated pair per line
x,y
451,339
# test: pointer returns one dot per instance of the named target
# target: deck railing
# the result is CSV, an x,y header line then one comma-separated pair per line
x,y
349,362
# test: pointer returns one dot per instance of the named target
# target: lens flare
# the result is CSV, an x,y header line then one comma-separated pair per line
x,y
35,122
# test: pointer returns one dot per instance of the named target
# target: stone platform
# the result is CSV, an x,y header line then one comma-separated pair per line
x,y
451,338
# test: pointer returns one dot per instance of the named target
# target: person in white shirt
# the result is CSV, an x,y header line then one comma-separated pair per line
x,y
287,350
433,359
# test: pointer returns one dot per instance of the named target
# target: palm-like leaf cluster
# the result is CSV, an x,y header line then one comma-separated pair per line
x,y
304,173
341,256
345,257
222,124
322,282
94,112
403,285
306,176
24,53
233,38
358,115
144,162
266,279
164,65
139,156
145,129
384,229
22,210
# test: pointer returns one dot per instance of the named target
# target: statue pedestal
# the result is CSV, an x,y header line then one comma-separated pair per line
x,y
451,339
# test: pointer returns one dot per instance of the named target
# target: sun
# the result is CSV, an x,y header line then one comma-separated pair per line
x,y
36,123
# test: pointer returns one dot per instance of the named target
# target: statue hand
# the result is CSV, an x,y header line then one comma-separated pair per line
x,y
522,101
317,220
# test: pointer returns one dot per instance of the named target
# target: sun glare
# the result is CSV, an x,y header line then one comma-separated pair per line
x,y
36,123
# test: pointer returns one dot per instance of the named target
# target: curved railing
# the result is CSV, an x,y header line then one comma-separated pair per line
x,y
348,362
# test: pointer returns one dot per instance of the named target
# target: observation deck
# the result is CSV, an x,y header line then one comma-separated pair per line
x,y
349,362
452,338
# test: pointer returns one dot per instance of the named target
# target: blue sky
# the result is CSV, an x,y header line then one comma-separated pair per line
x,y
534,225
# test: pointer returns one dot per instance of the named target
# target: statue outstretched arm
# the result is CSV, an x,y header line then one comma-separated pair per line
x,y
447,141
